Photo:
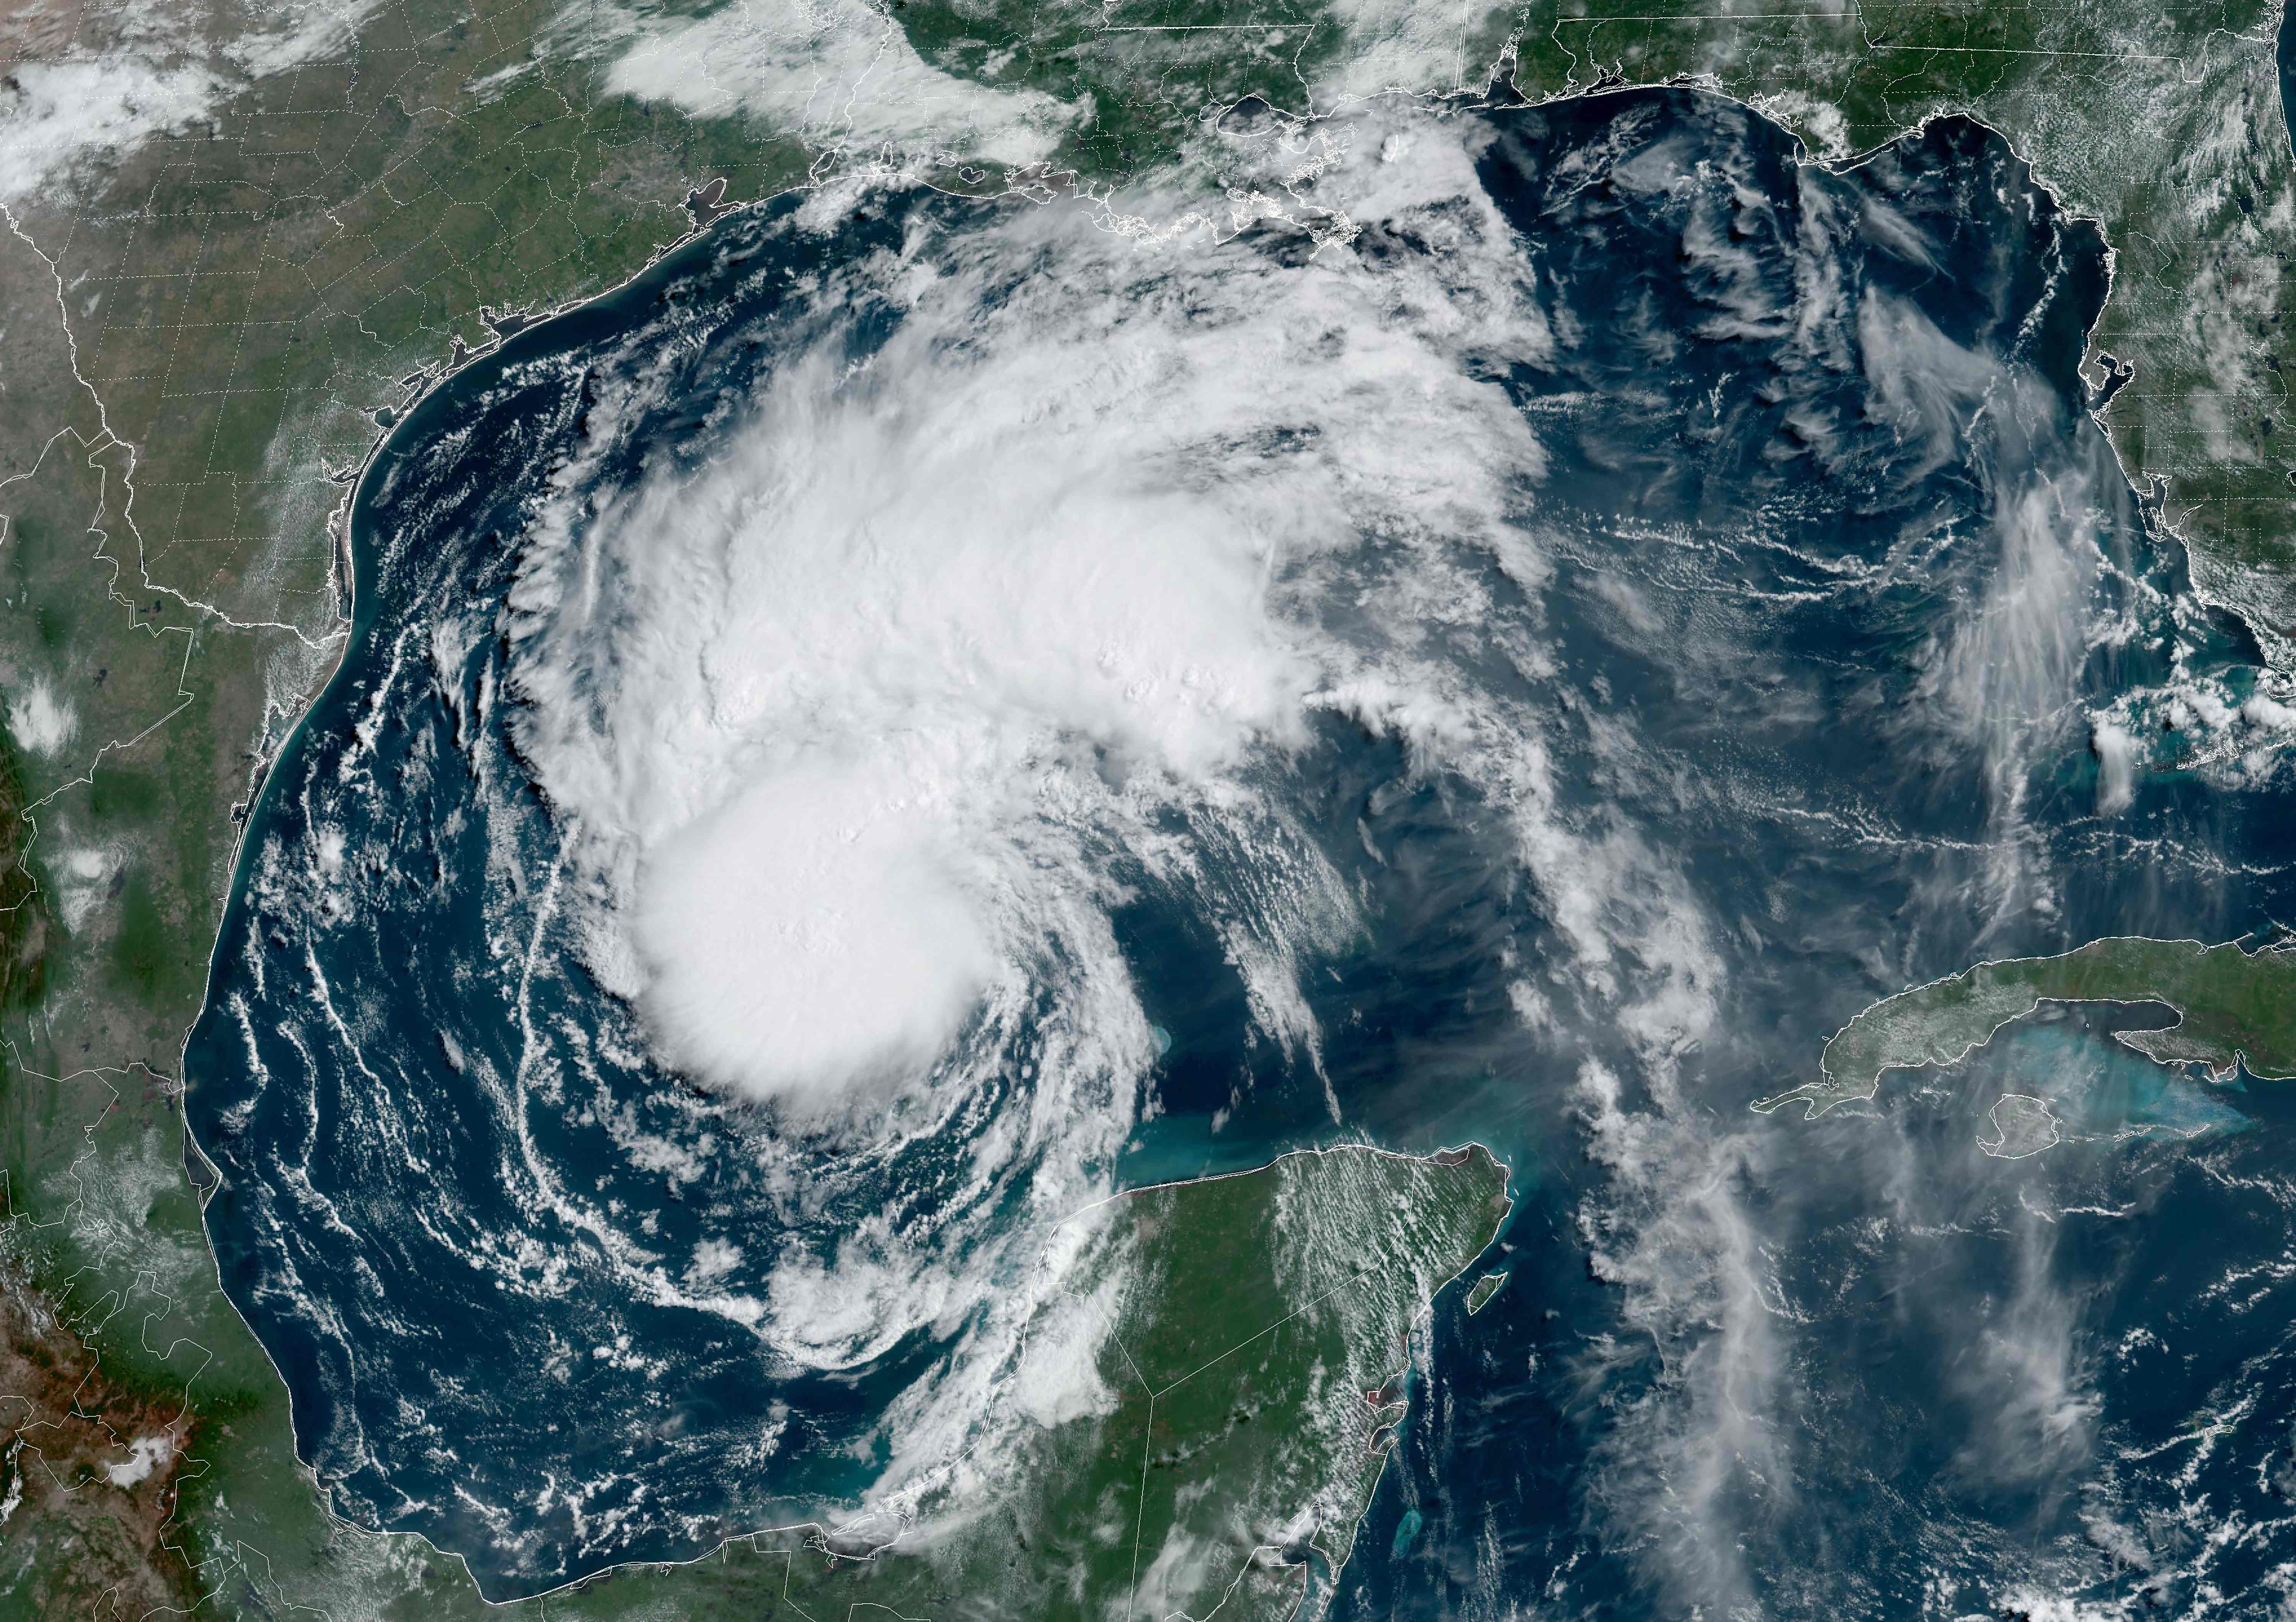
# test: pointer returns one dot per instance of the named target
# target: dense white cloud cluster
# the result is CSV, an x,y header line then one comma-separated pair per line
x,y
839,73
145,70
864,726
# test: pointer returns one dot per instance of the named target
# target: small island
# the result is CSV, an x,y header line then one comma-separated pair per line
x,y
2233,1008
2022,1127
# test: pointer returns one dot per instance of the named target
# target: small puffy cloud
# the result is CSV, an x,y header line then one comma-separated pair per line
x,y
41,720
2265,711
2116,752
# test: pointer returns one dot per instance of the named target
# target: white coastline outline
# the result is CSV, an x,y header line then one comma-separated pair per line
x,y
1849,1093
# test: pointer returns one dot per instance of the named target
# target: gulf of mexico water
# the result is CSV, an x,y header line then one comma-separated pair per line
x,y
1799,639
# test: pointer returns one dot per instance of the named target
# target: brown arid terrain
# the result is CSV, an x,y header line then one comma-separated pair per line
x,y
88,1481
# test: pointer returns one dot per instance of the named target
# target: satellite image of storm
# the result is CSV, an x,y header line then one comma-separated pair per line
x,y
1147,810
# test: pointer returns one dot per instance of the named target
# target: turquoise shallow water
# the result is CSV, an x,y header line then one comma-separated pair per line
x,y
2099,1087
1829,570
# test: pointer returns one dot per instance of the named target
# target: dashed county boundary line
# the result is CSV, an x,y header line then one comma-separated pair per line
x,y
1148,1438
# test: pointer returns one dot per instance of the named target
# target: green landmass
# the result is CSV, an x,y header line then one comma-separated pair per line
x,y
2233,1008
1244,1366
1252,1368
1486,1287
206,331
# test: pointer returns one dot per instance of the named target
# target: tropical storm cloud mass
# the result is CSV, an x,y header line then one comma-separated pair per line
x,y
920,714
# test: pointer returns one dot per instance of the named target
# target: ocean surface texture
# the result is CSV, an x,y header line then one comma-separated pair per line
x,y
919,713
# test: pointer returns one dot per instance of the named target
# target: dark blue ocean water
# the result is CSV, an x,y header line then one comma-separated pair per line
x,y
1839,574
